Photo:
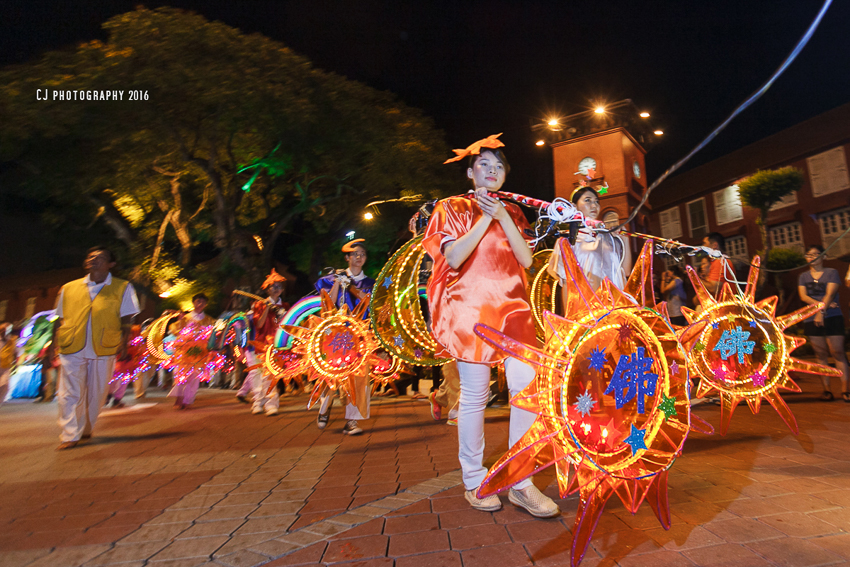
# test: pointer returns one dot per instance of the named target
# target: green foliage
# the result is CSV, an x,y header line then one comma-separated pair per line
x,y
765,188
165,174
784,259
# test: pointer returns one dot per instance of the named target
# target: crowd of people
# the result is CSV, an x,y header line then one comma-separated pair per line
x,y
479,248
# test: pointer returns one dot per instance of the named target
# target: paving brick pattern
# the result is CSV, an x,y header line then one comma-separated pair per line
x,y
217,486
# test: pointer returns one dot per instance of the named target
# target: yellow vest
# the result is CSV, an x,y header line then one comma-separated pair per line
x,y
105,313
7,353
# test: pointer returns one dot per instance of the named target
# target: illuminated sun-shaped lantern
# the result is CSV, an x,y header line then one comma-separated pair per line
x,y
335,347
191,356
742,351
397,317
611,398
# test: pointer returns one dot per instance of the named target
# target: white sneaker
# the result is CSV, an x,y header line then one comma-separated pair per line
x,y
351,428
487,504
534,502
256,410
271,412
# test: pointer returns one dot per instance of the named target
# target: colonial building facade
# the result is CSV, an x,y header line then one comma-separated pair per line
x,y
705,199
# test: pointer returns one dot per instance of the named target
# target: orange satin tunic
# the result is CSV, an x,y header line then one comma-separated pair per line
x,y
489,288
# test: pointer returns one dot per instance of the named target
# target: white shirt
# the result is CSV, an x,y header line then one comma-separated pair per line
x,y
129,306
356,278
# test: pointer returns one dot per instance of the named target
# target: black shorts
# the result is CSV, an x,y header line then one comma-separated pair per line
x,y
832,326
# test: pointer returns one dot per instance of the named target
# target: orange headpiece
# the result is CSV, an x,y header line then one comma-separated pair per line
x,y
272,279
475,149
350,246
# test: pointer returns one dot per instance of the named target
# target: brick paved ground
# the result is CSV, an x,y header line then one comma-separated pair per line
x,y
217,486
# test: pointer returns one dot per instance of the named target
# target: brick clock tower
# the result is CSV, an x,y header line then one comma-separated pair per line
x,y
611,147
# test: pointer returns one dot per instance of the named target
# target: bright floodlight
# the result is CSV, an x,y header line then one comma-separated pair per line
x,y
659,132
539,143
553,122
644,115
368,216
599,110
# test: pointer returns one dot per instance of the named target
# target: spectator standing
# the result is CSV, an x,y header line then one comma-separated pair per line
x,y
95,315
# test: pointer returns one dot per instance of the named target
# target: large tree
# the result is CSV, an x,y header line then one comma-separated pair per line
x,y
214,112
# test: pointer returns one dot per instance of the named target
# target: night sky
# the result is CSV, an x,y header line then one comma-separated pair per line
x,y
479,68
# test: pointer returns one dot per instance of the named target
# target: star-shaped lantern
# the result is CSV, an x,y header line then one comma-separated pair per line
x,y
623,442
730,357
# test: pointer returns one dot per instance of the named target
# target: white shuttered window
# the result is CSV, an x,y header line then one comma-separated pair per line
x,y
787,236
671,227
828,172
832,225
727,205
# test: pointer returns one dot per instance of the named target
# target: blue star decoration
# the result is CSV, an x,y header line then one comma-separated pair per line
x,y
344,341
597,359
399,342
585,403
387,281
635,440
734,341
668,406
753,324
715,325
632,379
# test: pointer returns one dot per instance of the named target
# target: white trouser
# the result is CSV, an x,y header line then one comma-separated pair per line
x,y
117,389
474,393
263,399
185,391
4,383
247,384
82,392
351,411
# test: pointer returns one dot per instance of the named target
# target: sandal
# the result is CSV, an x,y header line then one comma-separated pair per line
x,y
846,396
827,396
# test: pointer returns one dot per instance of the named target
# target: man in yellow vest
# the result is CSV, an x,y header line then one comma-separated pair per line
x,y
95,315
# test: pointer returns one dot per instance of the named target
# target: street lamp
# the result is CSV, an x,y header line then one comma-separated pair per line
x,y
644,115
599,110
540,143
659,132
368,216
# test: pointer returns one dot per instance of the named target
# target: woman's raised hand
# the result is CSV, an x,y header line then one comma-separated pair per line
x,y
491,206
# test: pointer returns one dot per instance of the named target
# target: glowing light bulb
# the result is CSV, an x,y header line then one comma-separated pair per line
x,y
539,143
659,132
644,115
599,110
368,216
553,122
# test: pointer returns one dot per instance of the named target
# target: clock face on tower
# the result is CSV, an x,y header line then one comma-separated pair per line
x,y
636,169
585,164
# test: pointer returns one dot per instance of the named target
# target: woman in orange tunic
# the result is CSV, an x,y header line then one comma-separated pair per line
x,y
480,252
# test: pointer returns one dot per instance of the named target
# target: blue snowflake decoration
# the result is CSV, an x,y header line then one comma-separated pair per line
x,y
636,439
399,342
585,403
597,359
632,379
387,281
735,341
343,341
